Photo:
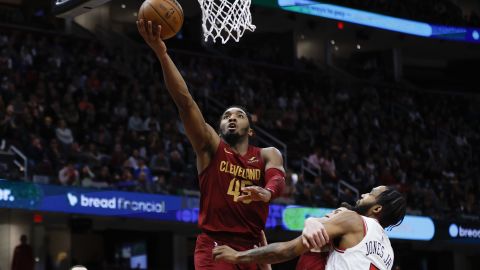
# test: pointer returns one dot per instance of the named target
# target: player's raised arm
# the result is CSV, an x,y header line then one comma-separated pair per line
x,y
203,137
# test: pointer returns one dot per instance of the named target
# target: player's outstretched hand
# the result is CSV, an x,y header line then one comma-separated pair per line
x,y
152,36
263,243
255,193
314,235
225,253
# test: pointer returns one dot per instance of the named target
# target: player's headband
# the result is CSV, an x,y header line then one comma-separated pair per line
x,y
239,109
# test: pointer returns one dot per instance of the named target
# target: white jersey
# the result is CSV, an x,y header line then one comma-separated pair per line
x,y
374,252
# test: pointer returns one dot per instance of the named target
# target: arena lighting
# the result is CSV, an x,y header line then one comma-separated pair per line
x,y
73,8
316,8
78,267
340,25
37,218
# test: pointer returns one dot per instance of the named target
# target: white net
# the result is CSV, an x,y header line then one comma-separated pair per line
x,y
225,19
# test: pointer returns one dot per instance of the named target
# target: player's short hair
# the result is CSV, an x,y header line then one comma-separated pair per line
x,y
249,116
394,207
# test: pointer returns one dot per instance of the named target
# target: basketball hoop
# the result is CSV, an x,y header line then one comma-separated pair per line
x,y
225,19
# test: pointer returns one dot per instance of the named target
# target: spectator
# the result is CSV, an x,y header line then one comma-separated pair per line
x,y
118,157
377,133
37,151
160,164
143,169
103,178
64,134
47,130
135,122
68,175
133,160
177,164
87,177
315,158
126,181
23,256
161,186
288,194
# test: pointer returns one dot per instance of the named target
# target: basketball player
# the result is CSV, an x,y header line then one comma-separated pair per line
x,y
359,238
315,237
237,180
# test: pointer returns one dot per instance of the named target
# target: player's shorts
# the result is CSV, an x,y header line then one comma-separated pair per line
x,y
312,261
204,258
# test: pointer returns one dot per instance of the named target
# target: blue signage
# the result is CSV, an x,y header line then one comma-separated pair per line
x,y
88,201
412,227
189,214
462,231
24,195
371,19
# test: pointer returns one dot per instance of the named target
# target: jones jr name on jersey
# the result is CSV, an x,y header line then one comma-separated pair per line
x,y
376,248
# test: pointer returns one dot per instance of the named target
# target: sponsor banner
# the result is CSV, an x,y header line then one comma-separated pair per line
x,y
459,231
38,197
24,195
189,214
462,231
412,227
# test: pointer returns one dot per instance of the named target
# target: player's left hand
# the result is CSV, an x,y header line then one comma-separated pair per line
x,y
314,234
225,253
255,193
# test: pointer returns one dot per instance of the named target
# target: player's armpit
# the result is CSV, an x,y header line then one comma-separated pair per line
x,y
270,254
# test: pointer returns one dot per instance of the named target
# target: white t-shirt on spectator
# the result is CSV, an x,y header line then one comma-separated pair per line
x,y
146,124
314,159
64,135
135,123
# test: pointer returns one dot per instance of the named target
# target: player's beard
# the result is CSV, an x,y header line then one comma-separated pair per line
x,y
233,138
361,209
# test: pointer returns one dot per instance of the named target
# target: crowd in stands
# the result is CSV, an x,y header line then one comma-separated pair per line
x,y
91,117
431,11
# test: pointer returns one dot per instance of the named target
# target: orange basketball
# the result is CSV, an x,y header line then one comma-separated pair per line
x,y
167,13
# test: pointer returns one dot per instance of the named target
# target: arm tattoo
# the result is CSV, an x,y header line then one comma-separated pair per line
x,y
272,253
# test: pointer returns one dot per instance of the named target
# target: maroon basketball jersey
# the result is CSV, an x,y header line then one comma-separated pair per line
x,y
220,185
312,261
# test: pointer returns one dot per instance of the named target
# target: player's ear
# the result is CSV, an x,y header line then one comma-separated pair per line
x,y
376,209
250,132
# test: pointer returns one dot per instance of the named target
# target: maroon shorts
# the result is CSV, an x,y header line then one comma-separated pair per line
x,y
204,258
312,261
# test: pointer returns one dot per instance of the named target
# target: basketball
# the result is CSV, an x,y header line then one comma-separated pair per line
x,y
167,13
